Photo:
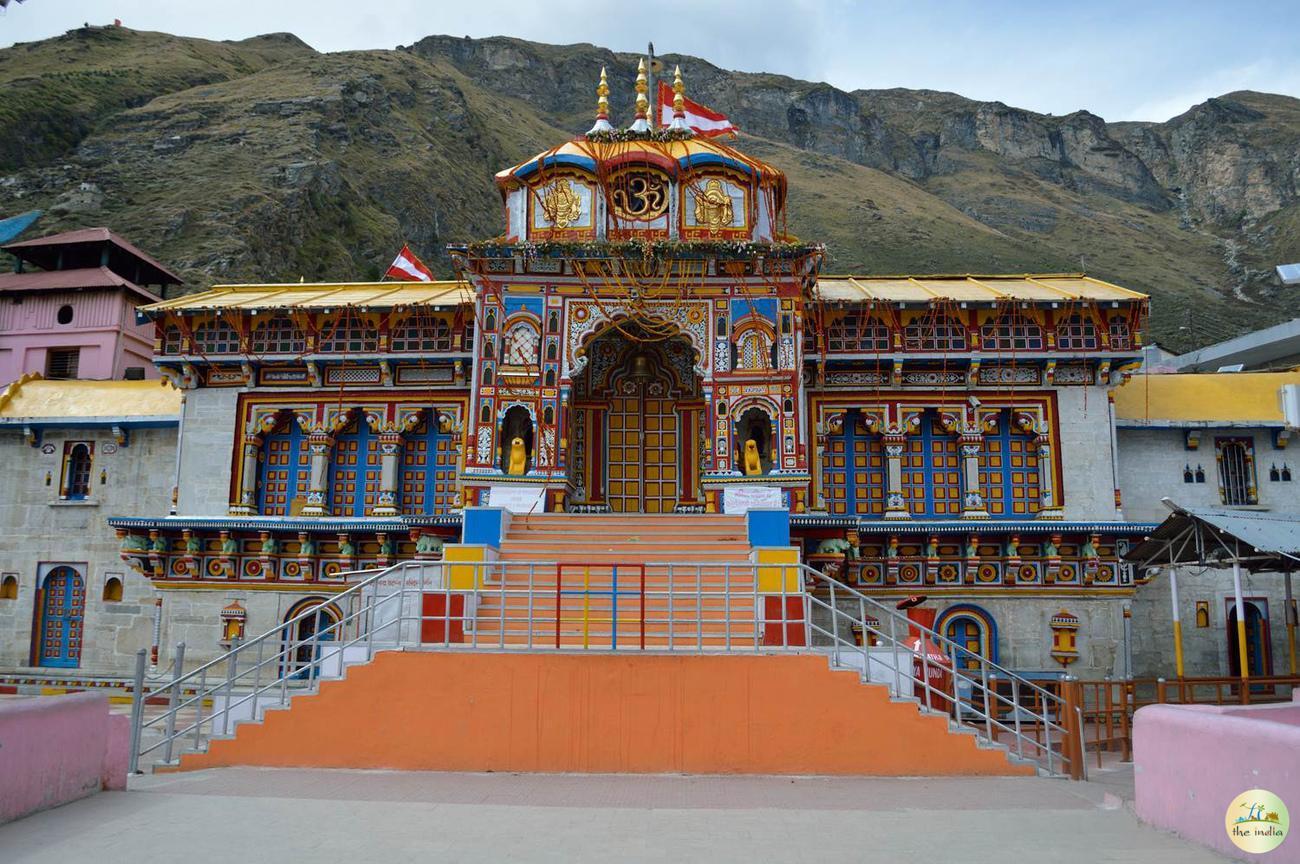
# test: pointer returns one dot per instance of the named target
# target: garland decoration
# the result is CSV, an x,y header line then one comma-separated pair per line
x,y
644,249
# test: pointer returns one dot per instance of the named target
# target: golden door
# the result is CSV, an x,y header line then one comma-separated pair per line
x,y
641,454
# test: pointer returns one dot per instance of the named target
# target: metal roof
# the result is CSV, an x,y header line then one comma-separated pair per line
x,y
71,280
39,250
1213,536
326,295
1029,287
1259,349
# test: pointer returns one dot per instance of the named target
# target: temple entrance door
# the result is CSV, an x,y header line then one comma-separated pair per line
x,y
641,450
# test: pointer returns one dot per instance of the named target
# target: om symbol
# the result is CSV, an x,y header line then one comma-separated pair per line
x,y
640,196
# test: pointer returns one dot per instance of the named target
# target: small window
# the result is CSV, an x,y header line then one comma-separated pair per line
x,y
934,332
113,590
9,587
522,344
349,337
753,350
62,362
64,315
1012,332
279,335
855,332
77,458
422,334
216,337
171,342
1076,333
1120,337
1236,458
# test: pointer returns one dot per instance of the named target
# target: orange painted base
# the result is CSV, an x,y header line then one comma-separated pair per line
x,y
606,713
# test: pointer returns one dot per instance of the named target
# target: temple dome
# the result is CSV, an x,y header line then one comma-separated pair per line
x,y
658,185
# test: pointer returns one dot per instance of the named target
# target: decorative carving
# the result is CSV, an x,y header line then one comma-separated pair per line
x,y
561,204
713,207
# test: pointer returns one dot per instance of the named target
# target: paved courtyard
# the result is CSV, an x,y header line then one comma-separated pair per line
x,y
274,815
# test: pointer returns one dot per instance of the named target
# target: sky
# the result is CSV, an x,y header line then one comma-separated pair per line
x,y
1134,60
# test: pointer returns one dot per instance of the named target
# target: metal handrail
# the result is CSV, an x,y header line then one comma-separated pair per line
x,y
698,607
1067,762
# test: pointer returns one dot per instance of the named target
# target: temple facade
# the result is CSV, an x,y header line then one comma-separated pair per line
x,y
648,337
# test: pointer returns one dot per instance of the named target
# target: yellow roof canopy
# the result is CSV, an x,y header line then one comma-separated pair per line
x,y
1030,288
34,397
328,295
1207,398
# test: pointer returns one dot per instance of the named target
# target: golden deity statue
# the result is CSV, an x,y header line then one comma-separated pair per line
x,y
713,206
753,464
518,463
561,204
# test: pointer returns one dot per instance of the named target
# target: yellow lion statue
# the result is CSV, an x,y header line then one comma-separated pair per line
x,y
518,463
753,464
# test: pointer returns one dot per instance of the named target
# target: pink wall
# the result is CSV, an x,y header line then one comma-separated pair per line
x,y
1190,761
55,749
103,326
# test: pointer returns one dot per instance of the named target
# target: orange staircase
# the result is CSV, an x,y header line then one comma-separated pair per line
x,y
606,713
622,580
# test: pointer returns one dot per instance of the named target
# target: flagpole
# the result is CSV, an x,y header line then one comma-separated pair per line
x,y
654,107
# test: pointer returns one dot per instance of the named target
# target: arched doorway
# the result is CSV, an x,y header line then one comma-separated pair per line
x,y
303,638
636,413
62,607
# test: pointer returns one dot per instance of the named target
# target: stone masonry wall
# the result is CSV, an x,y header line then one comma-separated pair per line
x,y
38,531
207,446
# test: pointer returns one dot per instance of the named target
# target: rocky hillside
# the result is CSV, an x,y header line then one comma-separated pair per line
x,y
265,160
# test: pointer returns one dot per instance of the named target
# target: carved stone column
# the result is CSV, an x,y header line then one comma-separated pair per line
x,y
319,445
973,506
1048,500
246,505
390,447
895,503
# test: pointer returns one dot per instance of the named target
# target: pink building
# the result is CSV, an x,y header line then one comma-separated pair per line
x,y
74,317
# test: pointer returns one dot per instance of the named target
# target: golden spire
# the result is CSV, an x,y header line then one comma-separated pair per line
x,y
641,123
602,106
679,104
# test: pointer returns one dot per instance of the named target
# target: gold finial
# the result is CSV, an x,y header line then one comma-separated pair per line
x,y
679,104
642,104
641,117
602,106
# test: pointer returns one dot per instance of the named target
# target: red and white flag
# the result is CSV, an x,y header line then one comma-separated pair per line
x,y
704,120
408,267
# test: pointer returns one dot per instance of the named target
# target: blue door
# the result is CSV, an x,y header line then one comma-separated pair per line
x,y
63,608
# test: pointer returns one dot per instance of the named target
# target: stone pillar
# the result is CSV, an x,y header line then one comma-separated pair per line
x,y
246,505
390,447
895,503
973,501
319,445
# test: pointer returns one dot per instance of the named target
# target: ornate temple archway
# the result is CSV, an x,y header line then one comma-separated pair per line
x,y
636,414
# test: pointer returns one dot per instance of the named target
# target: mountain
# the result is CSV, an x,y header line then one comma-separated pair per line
x,y
264,160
